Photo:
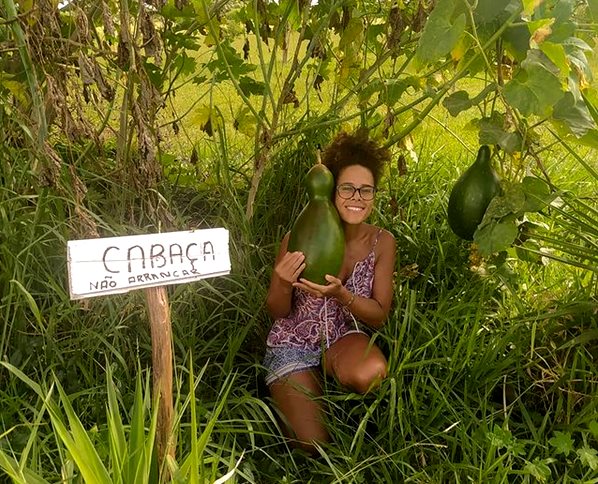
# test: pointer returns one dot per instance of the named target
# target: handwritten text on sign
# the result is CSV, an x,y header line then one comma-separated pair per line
x,y
119,264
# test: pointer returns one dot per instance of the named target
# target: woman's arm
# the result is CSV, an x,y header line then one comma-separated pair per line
x,y
287,267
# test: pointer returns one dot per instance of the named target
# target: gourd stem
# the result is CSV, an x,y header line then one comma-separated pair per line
x,y
319,157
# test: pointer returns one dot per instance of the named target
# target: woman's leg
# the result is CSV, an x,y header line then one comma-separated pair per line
x,y
356,362
294,396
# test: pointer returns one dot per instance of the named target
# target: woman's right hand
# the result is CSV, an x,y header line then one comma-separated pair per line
x,y
290,267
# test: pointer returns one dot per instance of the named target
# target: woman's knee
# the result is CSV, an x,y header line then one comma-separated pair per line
x,y
367,376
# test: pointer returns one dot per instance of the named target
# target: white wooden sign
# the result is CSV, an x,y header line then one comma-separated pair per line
x,y
115,265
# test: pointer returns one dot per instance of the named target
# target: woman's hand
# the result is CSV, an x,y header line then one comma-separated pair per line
x,y
290,266
334,288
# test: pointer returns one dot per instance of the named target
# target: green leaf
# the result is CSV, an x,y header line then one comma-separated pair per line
x,y
535,89
590,97
78,443
516,40
556,53
349,69
371,88
576,49
589,139
500,437
154,73
116,431
182,40
487,11
497,209
593,427
588,457
33,307
503,439
492,133
245,122
201,11
16,88
373,34
393,89
537,194
457,102
250,86
496,236
171,12
574,114
538,469
441,32
562,443
529,6
294,14
184,64
540,30
515,198
228,58
12,469
352,34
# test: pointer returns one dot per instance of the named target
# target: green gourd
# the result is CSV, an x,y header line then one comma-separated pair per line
x,y
318,231
471,195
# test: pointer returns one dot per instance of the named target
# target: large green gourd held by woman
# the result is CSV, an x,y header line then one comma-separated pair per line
x,y
318,231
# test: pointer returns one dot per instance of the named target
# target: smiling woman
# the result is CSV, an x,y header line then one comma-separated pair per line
x,y
325,327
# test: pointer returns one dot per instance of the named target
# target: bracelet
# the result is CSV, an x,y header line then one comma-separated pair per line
x,y
351,299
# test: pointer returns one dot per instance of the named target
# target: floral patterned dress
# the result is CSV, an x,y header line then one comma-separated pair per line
x,y
315,321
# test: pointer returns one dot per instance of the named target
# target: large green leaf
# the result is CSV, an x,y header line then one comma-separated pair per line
x,y
562,443
535,89
441,32
537,194
245,122
457,102
576,49
352,34
589,139
11,468
516,40
393,89
574,114
250,86
492,132
496,236
490,10
556,53
229,63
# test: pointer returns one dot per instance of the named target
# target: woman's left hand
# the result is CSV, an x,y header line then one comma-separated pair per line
x,y
333,289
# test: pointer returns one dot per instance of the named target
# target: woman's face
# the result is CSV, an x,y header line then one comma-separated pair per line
x,y
354,206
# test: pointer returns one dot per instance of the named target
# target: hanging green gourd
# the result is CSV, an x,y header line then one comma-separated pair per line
x,y
318,231
471,195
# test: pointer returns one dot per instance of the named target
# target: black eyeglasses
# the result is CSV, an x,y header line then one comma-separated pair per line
x,y
346,191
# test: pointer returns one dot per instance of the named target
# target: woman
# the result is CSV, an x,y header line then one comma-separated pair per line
x,y
316,325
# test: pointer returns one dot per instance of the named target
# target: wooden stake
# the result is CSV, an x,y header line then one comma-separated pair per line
x,y
161,330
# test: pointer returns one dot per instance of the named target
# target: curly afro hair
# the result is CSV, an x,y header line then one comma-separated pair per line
x,y
355,149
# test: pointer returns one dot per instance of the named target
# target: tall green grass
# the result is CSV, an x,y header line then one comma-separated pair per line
x,y
492,367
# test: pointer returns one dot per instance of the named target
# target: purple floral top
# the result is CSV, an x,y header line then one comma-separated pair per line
x,y
314,321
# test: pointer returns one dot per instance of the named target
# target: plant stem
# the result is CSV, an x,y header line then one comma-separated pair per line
x,y
32,81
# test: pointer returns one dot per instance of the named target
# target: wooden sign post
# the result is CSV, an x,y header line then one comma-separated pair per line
x,y
116,265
